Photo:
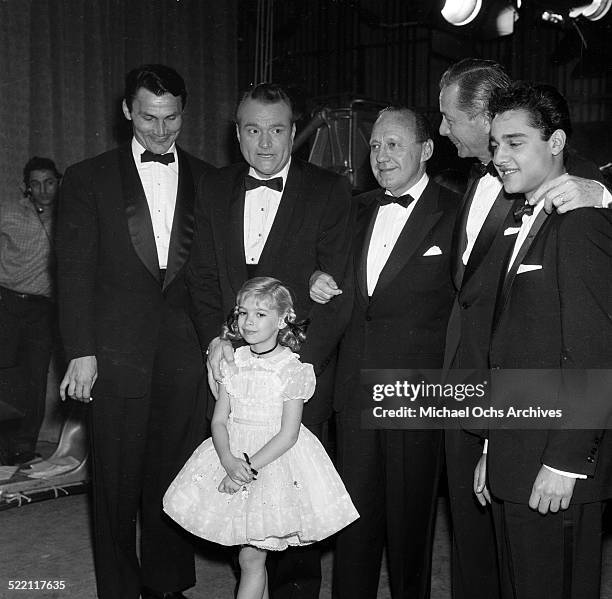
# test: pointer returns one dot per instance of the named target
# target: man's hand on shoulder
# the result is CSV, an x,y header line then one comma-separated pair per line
x,y
79,379
323,287
218,349
566,193
551,491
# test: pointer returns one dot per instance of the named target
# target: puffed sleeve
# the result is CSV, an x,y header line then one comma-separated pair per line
x,y
300,382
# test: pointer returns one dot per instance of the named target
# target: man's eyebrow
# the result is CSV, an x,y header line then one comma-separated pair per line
x,y
513,135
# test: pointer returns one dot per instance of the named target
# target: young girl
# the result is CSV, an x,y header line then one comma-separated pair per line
x,y
263,481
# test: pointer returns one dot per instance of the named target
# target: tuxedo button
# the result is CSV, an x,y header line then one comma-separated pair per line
x,y
590,459
368,318
495,367
464,305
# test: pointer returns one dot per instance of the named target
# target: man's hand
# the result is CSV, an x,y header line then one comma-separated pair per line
x,y
566,193
323,287
79,379
217,349
480,481
551,491
227,485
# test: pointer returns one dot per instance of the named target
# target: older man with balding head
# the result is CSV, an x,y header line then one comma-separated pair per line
x,y
403,296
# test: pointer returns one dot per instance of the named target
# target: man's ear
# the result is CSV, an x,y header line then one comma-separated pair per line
x,y
238,132
126,111
557,141
427,150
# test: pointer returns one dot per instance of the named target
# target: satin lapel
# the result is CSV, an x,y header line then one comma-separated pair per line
x,y
182,223
363,242
492,226
137,212
511,275
236,260
286,215
459,241
424,216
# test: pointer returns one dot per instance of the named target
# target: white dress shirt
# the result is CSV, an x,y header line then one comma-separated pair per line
x,y
160,184
390,221
260,208
486,193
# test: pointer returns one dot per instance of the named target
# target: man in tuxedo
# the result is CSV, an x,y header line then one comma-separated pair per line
x,y
549,484
403,295
277,216
124,234
483,235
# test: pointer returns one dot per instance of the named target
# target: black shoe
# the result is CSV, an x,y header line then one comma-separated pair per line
x,y
151,594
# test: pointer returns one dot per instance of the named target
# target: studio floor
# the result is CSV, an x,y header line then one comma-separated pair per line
x,y
51,540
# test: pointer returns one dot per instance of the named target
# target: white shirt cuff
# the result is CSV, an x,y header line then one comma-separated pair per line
x,y
568,474
486,446
606,200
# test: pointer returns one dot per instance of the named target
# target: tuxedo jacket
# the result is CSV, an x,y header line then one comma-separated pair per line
x,y
554,312
403,323
111,298
311,231
471,320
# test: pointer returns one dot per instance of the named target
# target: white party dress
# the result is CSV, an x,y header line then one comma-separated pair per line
x,y
297,499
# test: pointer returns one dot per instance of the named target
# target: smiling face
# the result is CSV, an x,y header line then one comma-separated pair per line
x,y
522,157
156,120
265,133
397,159
259,322
470,135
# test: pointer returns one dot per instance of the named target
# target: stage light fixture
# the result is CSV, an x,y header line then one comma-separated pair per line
x,y
461,12
593,12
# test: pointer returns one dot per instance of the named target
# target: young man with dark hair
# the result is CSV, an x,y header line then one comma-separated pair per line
x,y
548,486
483,235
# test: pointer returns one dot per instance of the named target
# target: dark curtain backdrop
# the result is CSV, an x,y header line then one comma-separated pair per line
x,y
62,64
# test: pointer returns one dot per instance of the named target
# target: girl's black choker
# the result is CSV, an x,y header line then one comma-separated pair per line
x,y
263,353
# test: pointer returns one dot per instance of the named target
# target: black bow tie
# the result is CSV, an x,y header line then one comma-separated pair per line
x,y
252,183
385,198
148,156
525,209
479,169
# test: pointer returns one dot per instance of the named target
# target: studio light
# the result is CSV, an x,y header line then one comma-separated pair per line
x,y
593,12
461,12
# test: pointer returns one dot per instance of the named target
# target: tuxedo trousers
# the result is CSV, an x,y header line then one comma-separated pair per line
x,y
475,571
392,477
138,446
551,556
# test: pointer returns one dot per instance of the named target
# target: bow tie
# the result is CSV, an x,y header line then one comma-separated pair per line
x,y
525,209
479,170
385,198
275,184
148,156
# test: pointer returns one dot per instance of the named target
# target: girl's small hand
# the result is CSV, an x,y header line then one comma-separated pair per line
x,y
227,485
238,470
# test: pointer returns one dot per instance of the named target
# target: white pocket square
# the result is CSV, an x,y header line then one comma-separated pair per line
x,y
434,250
528,268
512,230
